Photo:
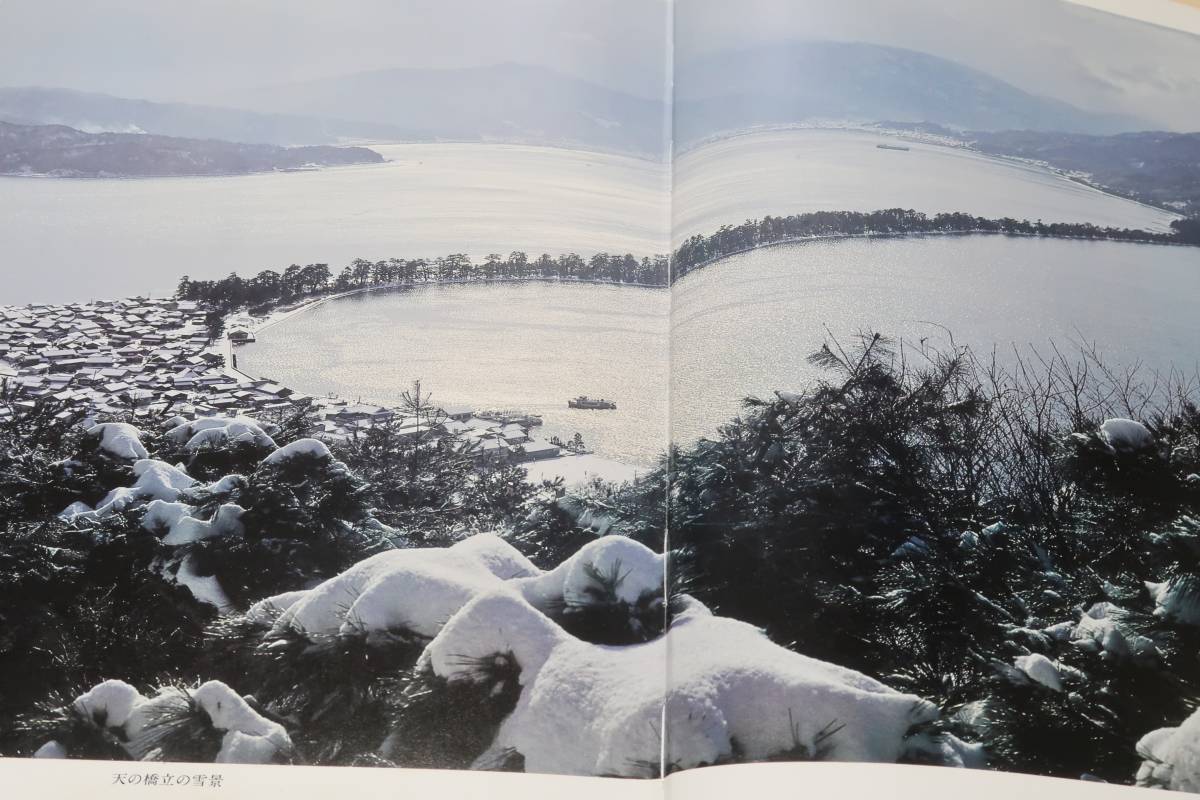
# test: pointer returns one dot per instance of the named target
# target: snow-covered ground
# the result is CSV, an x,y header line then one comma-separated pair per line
x,y
246,736
489,623
576,469
729,693
583,708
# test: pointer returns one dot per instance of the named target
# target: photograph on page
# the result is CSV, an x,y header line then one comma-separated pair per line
x,y
601,390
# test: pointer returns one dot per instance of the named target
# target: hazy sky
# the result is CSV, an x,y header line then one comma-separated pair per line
x,y
1089,58
169,49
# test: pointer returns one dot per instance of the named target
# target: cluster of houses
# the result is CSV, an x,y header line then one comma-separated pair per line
x,y
136,355
152,357
499,441
486,439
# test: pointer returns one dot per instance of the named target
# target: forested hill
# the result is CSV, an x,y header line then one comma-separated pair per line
x,y
60,151
1154,167
93,112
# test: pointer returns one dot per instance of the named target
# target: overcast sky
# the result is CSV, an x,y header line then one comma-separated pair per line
x,y
168,49
1089,58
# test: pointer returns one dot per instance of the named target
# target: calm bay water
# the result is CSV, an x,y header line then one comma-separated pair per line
x,y
741,327
63,240
795,171
746,325
522,346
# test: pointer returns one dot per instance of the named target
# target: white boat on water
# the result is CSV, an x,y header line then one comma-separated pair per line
x,y
583,401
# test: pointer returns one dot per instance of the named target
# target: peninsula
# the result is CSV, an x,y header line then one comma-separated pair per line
x,y
62,152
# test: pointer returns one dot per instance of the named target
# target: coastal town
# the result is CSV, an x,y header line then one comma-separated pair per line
x,y
159,357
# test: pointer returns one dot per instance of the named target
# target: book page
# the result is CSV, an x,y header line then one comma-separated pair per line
x,y
933,395
518,398
334,346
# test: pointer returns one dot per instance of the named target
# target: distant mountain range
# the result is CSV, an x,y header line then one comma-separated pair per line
x,y
94,113
856,82
508,102
61,151
720,93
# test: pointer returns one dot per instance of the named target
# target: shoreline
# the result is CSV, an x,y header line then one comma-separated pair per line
x,y
275,317
46,176
917,137
826,237
150,376
138,359
573,468
580,150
